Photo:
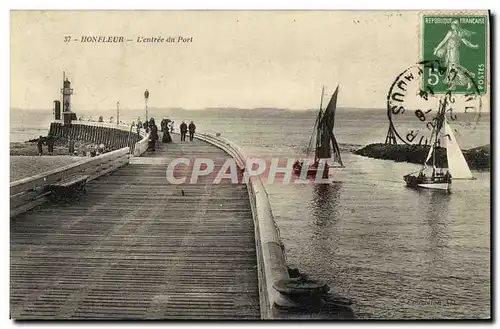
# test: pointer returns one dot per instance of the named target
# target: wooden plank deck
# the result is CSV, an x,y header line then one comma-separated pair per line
x,y
134,247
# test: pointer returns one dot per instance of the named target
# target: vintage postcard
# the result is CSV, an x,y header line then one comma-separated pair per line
x,y
250,165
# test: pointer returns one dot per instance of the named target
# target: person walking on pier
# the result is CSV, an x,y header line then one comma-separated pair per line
x,y
183,129
153,136
172,126
50,144
166,138
192,129
162,124
71,146
138,128
39,145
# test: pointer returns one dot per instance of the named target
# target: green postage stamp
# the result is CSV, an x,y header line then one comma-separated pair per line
x,y
459,43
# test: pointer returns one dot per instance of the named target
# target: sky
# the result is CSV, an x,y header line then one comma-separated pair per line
x,y
245,59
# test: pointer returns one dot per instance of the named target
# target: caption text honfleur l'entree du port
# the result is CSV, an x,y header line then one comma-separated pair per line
x,y
139,39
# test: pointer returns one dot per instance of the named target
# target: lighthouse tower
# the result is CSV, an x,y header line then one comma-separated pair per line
x,y
67,91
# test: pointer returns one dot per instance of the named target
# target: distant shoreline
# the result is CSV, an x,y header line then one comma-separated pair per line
x,y
112,111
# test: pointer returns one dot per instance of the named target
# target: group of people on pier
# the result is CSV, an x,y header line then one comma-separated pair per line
x,y
184,128
166,127
49,141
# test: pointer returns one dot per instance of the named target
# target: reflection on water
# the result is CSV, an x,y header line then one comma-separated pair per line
x,y
436,215
325,209
324,204
436,204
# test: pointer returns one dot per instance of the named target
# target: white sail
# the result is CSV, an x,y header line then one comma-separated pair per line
x,y
459,169
431,150
429,155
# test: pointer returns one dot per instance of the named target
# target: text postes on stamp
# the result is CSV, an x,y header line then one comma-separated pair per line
x,y
460,43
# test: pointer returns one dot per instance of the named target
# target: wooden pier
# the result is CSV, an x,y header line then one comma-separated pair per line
x,y
138,247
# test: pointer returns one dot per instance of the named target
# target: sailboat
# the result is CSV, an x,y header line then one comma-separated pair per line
x,y
459,169
441,178
325,143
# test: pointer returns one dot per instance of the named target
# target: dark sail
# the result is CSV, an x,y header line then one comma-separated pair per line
x,y
330,109
326,141
336,151
323,138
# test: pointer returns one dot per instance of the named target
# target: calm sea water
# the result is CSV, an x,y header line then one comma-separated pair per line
x,y
396,252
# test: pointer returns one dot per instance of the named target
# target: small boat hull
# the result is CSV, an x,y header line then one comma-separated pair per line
x,y
442,183
312,171
436,186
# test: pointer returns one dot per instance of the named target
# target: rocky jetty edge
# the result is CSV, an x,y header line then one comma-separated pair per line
x,y
478,158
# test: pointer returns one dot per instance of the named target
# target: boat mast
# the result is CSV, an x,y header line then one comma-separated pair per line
x,y
321,103
439,125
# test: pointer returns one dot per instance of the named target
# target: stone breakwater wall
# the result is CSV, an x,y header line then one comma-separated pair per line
x,y
113,138
478,158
